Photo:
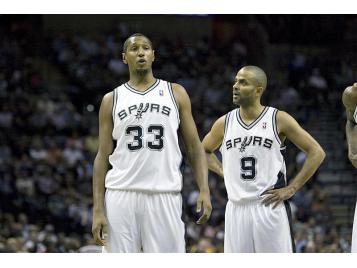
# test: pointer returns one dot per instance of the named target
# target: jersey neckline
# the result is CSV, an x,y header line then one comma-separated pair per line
x,y
249,126
150,88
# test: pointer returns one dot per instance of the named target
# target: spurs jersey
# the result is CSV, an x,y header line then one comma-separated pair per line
x,y
147,155
251,156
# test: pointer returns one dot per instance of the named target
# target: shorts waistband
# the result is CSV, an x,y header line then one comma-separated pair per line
x,y
148,192
246,202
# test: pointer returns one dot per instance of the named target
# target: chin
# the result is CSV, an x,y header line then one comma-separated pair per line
x,y
142,71
237,103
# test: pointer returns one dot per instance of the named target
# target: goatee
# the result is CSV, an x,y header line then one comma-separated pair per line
x,y
142,72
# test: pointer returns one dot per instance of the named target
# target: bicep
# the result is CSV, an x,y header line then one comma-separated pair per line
x,y
187,126
295,133
351,134
106,125
214,138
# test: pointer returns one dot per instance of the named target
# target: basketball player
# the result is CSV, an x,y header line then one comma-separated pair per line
x,y
251,139
142,205
349,99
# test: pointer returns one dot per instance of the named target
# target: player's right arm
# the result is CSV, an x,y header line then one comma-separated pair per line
x,y
351,135
349,99
211,142
100,168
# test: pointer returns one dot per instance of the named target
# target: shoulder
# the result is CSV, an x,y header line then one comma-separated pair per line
x,y
220,122
180,95
282,115
178,89
106,106
108,98
349,97
285,121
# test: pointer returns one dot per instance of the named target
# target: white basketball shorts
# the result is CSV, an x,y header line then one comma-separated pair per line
x,y
144,222
254,227
354,233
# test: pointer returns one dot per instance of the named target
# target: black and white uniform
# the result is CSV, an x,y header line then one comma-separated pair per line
x,y
143,201
354,231
253,163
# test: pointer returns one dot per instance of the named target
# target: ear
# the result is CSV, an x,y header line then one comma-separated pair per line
x,y
124,58
260,90
153,56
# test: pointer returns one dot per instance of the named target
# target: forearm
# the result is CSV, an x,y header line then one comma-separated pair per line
x,y
351,135
312,163
214,164
196,157
100,169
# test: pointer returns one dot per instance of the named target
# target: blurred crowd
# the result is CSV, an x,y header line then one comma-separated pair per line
x,y
49,131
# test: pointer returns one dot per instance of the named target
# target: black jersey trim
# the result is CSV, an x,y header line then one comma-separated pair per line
x,y
145,91
355,115
244,125
169,86
115,101
226,122
288,212
275,128
280,183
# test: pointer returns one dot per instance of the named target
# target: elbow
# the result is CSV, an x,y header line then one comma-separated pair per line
x,y
353,159
194,149
102,156
321,154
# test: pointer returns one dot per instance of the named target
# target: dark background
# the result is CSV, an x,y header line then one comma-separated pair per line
x,y
54,70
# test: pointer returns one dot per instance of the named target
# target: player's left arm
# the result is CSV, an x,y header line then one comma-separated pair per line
x,y
195,151
349,100
288,127
351,135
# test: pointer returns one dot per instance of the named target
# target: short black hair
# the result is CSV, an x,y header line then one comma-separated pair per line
x,y
126,43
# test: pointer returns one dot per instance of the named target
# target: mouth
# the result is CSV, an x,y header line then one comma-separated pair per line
x,y
141,61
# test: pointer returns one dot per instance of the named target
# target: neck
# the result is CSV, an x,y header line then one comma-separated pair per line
x,y
251,112
141,78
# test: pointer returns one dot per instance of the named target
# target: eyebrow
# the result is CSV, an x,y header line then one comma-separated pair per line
x,y
144,43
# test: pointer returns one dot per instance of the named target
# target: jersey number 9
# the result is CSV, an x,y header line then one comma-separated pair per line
x,y
247,166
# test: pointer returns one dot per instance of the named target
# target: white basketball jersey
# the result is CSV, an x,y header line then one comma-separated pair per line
x,y
251,156
147,155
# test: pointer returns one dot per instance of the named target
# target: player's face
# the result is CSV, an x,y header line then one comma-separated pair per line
x,y
244,88
139,54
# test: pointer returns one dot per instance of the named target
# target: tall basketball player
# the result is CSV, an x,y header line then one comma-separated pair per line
x,y
137,202
251,140
349,99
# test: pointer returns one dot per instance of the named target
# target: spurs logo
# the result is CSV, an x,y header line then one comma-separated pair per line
x,y
140,111
245,143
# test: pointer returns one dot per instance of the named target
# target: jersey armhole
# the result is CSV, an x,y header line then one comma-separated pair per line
x,y
275,127
115,99
226,122
169,86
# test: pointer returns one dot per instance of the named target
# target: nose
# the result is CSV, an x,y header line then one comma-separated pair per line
x,y
141,51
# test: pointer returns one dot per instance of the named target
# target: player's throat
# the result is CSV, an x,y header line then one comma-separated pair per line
x,y
250,114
